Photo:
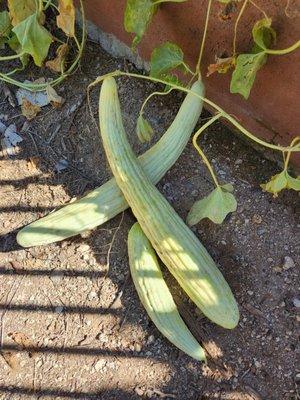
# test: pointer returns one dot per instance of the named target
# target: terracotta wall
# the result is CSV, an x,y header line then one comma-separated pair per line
x,y
273,108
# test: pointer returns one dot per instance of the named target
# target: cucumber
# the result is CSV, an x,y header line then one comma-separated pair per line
x,y
156,296
107,201
177,246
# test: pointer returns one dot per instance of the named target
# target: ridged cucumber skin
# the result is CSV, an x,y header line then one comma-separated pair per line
x,y
156,296
177,246
107,201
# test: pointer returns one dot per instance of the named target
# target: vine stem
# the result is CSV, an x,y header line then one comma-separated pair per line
x,y
236,25
259,8
203,39
207,101
283,51
154,94
203,156
12,57
287,158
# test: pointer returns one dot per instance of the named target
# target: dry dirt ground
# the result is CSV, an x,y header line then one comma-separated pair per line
x,y
72,327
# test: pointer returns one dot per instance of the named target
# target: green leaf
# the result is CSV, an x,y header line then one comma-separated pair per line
x,y
215,206
263,34
165,58
137,17
245,71
281,181
144,130
34,38
15,45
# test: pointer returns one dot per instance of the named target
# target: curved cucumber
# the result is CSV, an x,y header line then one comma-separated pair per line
x,y
177,246
156,296
107,201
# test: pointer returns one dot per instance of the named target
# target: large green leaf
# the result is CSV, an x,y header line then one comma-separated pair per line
x,y
138,14
281,181
165,58
263,34
245,71
34,38
215,206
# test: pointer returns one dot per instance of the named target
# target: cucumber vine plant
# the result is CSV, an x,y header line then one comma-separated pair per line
x,y
169,57
24,30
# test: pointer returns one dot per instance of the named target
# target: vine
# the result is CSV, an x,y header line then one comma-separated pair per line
x,y
169,58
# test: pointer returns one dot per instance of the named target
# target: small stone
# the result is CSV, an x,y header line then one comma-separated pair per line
x,y
99,365
83,248
139,391
288,263
238,161
92,295
151,339
296,303
269,259
137,347
257,219
250,292
59,309
257,364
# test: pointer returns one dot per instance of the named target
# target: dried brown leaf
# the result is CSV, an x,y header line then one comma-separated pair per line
x,y
66,18
57,64
29,110
221,66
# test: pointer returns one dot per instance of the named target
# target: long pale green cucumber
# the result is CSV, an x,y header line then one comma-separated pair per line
x,y
107,201
156,296
174,242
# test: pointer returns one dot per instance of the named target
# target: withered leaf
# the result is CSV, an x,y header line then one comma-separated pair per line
x,y
66,18
222,65
29,110
57,64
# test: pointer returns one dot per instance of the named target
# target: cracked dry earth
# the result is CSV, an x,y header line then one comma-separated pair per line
x,y
71,322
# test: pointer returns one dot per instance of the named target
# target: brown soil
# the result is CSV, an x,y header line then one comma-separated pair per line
x,y
73,328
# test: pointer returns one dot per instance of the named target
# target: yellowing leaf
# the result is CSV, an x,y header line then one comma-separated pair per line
x,y
245,71
33,38
143,129
281,181
221,66
29,110
5,25
215,206
138,15
57,64
20,10
66,18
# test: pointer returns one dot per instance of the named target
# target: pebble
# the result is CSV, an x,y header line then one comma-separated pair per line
x,y
99,365
137,347
296,302
288,263
59,309
257,219
92,295
151,339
